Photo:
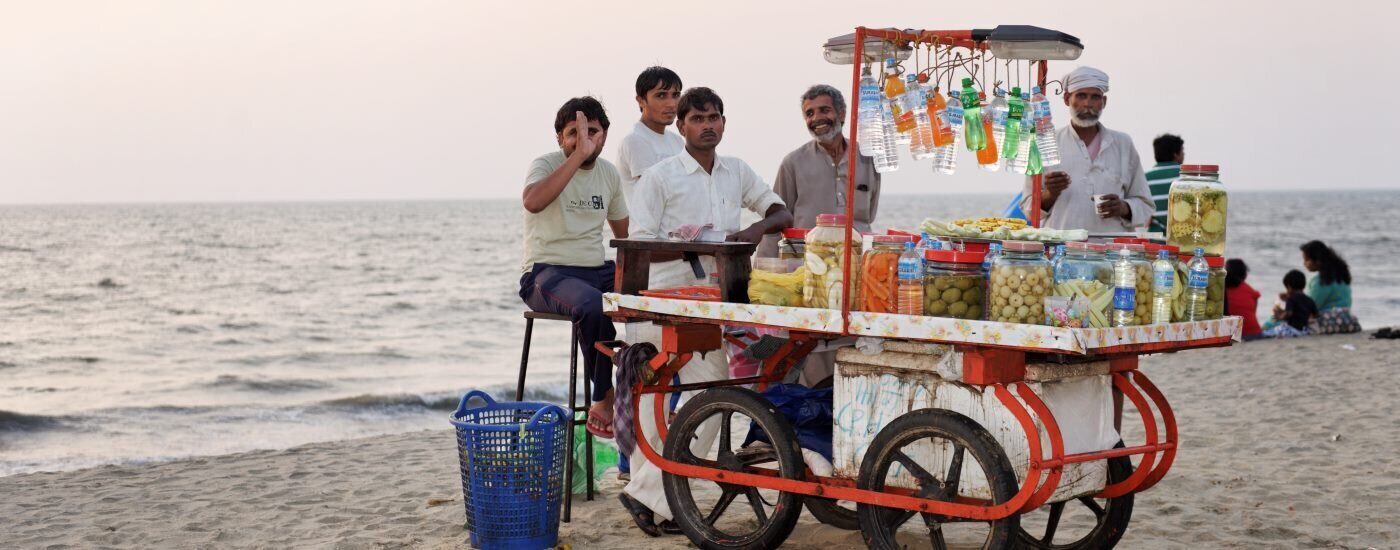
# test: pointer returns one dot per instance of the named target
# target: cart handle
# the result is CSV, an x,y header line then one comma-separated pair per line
x,y
610,348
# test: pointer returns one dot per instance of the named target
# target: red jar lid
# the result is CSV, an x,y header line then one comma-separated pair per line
x,y
892,239
1079,246
1022,246
795,233
1212,261
1173,250
1200,168
1130,240
954,256
972,247
831,219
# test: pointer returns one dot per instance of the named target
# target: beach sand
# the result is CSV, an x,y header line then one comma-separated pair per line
x,y
1288,444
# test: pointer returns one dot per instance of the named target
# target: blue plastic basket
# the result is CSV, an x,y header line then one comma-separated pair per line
x,y
512,462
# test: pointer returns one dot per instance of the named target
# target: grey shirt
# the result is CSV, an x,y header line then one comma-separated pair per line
x,y
810,182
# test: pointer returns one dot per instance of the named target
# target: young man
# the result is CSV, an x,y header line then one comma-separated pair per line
x,y
658,90
697,187
568,195
1170,151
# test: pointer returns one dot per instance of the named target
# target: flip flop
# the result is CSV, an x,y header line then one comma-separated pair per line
x,y
641,515
594,421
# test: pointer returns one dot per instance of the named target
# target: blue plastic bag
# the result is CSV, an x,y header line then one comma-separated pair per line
x,y
809,412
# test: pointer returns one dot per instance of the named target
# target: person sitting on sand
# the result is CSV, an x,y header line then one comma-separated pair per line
x,y
1330,289
569,193
1292,318
1241,299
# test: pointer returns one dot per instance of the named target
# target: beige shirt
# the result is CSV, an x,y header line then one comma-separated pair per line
x,y
570,230
1117,170
810,182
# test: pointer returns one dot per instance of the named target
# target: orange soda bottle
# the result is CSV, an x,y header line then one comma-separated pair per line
x,y
942,132
987,157
904,121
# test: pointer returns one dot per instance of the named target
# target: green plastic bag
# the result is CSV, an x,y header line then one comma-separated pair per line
x,y
604,457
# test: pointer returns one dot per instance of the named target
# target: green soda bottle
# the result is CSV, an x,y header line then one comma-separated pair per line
x,y
1034,166
972,111
1016,109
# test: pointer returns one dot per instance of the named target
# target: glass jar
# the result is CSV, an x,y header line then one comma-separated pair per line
x,y
1142,308
1215,288
793,245
825,259
1084,273
1020,281
1196,208
879,276
954,285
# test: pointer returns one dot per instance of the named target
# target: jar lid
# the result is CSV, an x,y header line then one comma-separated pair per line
x,y
1079,246
795,233
1130,240
1098,247
1173,250
1023,246
1200,168
1212,261
1114,247
954,256
892,239
971,246
1151,248
831,219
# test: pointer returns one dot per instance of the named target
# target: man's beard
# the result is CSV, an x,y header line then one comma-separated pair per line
x,y
832,132
1085,119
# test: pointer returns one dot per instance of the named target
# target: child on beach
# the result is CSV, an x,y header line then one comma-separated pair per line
x,y
1291,320
1242,299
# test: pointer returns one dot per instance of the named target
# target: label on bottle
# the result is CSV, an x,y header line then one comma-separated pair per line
x,y
998,117
1197,279
1042,109
1016,110
910,269
1164,279
1124,299
969,101
955,117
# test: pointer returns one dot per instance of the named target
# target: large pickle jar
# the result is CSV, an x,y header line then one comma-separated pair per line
x,y
1084,273
825,259
1215,288
1142,267
1020,281
1196,209
954,285
879,277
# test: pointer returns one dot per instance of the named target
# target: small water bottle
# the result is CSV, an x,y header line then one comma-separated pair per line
x,y
1044,129
922,145
911,282
871,138
1163,277
887,157
1124,289
1197,277
1021,159
945,160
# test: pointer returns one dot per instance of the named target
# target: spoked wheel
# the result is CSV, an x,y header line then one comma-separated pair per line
x,y
903,449
718,515
1082,523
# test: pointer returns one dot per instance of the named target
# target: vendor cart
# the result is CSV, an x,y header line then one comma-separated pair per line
x,y
949,432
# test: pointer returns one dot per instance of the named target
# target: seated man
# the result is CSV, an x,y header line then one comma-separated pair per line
x,y
568,195
696,187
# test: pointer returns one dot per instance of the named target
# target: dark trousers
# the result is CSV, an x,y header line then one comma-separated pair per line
x,y
578,293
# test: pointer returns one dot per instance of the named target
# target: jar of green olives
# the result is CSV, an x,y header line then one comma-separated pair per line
x,y
954,285
1020,281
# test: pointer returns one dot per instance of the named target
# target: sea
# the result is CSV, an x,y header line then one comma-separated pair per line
x,y
139,333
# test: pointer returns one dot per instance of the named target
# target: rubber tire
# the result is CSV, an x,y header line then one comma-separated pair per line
x,y
784,441
829,512
1115,522
950,425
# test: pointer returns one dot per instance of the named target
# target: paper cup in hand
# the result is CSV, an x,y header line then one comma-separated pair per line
x,y
1098,202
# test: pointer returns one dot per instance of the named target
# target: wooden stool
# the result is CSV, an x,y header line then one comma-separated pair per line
x,y
574,408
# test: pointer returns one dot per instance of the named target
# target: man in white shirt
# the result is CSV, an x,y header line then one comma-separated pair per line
x,y
658,90
1094,161
697,187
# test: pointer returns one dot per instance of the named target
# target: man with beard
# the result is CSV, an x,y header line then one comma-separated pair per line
x,y
696,187
1094,162
568,195
812,181
658,90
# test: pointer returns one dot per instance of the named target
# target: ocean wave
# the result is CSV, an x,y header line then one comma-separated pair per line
x,y
273,385
18,422
71,359
8,248
549,393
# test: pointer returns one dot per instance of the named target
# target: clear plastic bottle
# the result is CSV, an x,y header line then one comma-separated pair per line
x,y
911,281
922,145
1022,158
1045,129
1124,288
887,157
995,117
894,92
972,115
946,159
1197,278
1163,277
871,138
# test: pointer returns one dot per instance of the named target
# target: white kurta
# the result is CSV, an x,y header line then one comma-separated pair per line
x,y
642,149
1118,170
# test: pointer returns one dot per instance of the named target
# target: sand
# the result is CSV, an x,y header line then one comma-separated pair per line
x,y
1288,444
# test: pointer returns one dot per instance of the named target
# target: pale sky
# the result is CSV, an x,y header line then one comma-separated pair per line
x,y
256,100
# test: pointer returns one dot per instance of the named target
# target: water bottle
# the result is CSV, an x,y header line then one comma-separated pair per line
x,y
1124,289
1020,162
911,282
1057,255
1163,276
1010,136
1197,277
946,159
887,156
1045,129
926,242
871,138
993,250
922,145
894,92
972,117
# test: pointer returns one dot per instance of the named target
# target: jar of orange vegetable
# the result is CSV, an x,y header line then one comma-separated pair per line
x,y
879,274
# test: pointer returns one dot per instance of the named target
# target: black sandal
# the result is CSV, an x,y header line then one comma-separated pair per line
x,y
641,515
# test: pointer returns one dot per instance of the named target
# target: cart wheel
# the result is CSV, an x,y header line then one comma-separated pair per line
x,y
764,518
924,433
839,514
1082,523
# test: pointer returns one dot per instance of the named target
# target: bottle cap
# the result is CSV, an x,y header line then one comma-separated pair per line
x,y
1035,89
981,95
1015,90
967,82
1163,254
954,93
889,62
911,77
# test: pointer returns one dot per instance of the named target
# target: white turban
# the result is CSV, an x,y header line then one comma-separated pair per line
x,y
1086,77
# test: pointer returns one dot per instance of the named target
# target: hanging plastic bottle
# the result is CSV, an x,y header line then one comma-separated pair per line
x,y
1021,162
1124,289
946,160
987,158
1197,279
972,112
942,134
997,135
1034,167
904,123
922,145
1010,137
1045,129
1163,277
887,157
910,293
871,137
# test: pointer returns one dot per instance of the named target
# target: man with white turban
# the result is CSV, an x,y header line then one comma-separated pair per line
x,y
1094,161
